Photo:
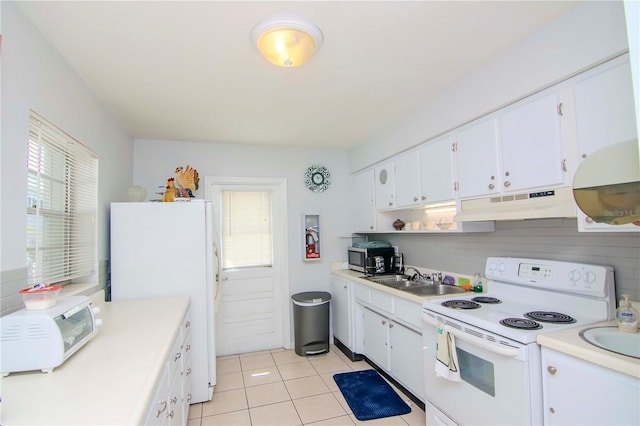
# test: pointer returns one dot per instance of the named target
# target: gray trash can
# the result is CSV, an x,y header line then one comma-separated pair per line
x,y
311,322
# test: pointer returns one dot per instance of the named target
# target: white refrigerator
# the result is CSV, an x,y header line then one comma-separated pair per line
x,y
168,249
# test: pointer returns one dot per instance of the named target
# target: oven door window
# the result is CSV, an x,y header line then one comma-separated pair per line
x,y
477,372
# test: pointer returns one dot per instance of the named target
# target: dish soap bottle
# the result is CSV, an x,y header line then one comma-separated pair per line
x,y
477,283
627,316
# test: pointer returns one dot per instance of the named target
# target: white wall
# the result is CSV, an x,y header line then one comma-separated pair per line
x,y
35,76
589,34
155,162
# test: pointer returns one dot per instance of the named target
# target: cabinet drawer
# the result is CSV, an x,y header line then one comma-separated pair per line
x,y
381,300
174,361
159,404
361,293
410,312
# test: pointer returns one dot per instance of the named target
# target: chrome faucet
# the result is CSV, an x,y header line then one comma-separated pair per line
x,y
419,275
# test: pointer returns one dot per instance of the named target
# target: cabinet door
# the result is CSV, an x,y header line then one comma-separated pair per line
x,y
362,201
605,112
384,186
577,392
406,358
376,347
477,159
604,116
531,145
436,171
407,176
341,310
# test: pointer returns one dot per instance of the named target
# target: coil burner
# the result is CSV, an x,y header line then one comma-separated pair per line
x,y
460,304
550,317
486,299
521,323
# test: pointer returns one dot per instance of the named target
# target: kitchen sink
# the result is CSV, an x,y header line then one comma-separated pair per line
x,y
614,340
435,289
420,287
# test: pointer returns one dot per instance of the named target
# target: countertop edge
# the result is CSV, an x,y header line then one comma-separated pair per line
x,y
569,342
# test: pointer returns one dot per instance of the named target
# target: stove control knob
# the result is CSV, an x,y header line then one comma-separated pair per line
x,y
502,267
589,277
492,266
575,275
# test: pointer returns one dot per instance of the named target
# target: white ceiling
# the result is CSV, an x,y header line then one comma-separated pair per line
x,y
182,70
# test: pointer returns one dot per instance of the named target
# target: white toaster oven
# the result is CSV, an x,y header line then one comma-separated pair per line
x,y
44,339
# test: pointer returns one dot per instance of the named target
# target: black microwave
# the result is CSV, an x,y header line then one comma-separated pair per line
x,y
358,257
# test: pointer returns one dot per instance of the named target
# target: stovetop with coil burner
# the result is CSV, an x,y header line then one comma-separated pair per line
x,y
527,297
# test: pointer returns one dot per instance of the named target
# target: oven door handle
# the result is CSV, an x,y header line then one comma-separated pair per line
x,y
500,350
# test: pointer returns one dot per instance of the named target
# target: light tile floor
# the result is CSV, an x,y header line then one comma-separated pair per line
x,y
278,387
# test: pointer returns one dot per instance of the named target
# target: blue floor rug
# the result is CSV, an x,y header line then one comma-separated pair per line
x,y
369,396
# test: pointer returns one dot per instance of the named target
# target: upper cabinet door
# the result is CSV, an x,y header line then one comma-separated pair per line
x,y
407,179
531,145
477,159
436,171
605,112
362,202
385,186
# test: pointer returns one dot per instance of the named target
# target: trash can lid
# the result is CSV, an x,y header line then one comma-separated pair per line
x,y
311,297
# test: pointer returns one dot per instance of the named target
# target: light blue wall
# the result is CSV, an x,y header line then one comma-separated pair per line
x,y
35,76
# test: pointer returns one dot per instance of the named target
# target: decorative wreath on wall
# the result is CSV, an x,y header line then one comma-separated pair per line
x,y
317,178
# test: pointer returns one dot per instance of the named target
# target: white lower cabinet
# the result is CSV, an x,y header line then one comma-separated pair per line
x,y
405,357
375,338
387,332
341,311
170,404
577,392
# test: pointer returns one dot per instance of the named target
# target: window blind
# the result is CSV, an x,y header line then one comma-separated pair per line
x,y
62,188
246,229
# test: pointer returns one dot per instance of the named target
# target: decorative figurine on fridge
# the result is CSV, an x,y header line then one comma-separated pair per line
x,y
169,192
188,180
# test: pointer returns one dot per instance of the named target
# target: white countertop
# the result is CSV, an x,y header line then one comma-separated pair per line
x,y
569,342
110,380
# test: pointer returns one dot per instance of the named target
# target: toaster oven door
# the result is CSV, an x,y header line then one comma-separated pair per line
x,y
76,327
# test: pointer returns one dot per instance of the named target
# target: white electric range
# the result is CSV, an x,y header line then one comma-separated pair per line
x,y
494,334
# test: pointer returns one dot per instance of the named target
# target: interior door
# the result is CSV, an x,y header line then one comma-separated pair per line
x,y
251,311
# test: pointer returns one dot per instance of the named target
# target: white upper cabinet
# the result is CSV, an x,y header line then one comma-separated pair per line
x,y
436,171
605,107
531,144
425,175
385,186
362,202
477,159
515,149
408,179
605,115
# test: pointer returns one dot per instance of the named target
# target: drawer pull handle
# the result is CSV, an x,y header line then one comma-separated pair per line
x,y
188,348
163,403
174,399
170,414
188,324
188,371
177,356
189,397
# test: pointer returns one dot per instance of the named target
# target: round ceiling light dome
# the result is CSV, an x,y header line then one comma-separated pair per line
x,y
287,41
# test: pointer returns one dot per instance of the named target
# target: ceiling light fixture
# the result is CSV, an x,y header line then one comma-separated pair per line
x,y
287,41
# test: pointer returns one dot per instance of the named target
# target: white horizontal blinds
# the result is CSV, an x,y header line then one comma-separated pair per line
x,y
62,187
246,229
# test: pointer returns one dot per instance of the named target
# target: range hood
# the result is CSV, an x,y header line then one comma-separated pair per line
x,y
606,185
557,202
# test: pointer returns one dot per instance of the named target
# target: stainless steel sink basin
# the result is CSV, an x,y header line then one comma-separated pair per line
x,y
404,282
613,340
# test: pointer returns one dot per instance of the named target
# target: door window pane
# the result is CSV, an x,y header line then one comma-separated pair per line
x,y
246,229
